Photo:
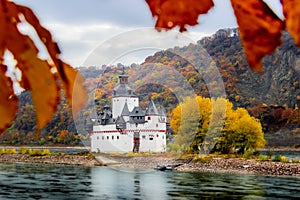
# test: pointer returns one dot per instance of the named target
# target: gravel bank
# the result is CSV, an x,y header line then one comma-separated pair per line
x,y
238,166
142,162
51,159
214,165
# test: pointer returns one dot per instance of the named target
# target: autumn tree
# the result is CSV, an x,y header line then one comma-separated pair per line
x,y
190,125
260,30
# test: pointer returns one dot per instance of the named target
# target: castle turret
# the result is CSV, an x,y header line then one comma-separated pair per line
x,y
123,94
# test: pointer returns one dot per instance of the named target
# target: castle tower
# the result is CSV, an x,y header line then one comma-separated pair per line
x,y
123,94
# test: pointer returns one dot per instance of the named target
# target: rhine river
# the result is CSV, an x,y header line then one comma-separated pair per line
x,y
39,181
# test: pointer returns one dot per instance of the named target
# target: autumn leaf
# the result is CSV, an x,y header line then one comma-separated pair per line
x,y
172,13
291,11
8,100
38,75
260,29
70,77
46,38
76,93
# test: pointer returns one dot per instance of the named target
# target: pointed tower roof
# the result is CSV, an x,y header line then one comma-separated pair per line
x,y
125,111
120,120
152,110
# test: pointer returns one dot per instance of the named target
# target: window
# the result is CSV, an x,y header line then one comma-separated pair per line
x,y
163,137
102,137
117,137
156,125
112,137
151,138
144,136
97,138
149,118
107,137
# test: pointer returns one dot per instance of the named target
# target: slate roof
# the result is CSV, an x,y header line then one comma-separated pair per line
x,y
137,111
123,90
125,111
152,110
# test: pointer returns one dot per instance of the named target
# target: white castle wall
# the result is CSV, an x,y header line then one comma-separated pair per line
x,y
107,139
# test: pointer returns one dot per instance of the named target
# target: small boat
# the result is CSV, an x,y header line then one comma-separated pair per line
x,y
163,167
167,167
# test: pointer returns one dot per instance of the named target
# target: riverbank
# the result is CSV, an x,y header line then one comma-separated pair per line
x,y
66,159
242,166
215,164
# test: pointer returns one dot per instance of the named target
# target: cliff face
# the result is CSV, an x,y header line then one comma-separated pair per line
x,y
282,75
278,85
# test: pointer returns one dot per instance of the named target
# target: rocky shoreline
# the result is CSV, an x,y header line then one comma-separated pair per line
x,y
214,165
239,166
50,159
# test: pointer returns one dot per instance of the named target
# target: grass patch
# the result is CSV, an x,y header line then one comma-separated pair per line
x,y
8,151
202,158
263,158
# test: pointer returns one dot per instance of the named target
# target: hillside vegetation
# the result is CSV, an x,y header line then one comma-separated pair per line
x,y
273,98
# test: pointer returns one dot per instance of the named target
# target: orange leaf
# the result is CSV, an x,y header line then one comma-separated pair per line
x,y
45,37
8,100
75,90
260,29
172,13
291,11
36,73
70,77
36,76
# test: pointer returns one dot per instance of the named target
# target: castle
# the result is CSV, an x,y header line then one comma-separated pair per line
x,y
127,127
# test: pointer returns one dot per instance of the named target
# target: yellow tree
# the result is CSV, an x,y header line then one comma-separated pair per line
x,y
241,132
194,123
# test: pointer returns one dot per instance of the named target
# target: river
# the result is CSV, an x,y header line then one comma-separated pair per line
x,y
40,181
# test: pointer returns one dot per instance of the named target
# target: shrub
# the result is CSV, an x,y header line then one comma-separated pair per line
x,y
263,158
277,158
202,158
248,153
23,150
35,152
283,159
2,151
10,151
46,152
270,153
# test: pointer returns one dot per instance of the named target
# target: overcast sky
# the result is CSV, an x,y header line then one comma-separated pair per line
x,y
82,27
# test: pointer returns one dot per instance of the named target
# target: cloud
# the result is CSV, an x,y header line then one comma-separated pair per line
x,y
134,45
82,26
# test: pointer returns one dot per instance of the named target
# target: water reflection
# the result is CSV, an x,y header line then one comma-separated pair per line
x,y
38,181
135,184
229,186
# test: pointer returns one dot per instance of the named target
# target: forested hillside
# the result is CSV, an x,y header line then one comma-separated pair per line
x,y
274,97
